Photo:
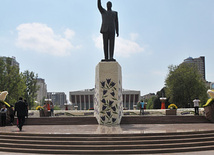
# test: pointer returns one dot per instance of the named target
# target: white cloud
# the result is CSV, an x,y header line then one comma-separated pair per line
x,y
134,36
123,47
69,34
41,38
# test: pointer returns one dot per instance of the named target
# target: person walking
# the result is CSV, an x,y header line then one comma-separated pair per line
x,y
3,115
20,108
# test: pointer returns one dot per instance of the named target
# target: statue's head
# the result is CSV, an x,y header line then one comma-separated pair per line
x,y
109,5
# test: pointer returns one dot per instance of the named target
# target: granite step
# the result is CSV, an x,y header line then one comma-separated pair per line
x,y
108,147
126,151
106,137
125,120
107,144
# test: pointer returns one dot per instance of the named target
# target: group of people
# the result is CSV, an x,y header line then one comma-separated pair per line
x,y
48,108
4,111
21,110
195,101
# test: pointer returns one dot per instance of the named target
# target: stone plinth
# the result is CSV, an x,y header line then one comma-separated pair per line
x,y
108,105
171,112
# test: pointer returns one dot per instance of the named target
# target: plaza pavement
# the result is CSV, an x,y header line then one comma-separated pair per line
x,y
100,129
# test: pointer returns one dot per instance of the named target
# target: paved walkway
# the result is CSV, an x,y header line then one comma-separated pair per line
x,y
121,129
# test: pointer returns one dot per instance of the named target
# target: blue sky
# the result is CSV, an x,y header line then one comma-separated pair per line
x,y
60,39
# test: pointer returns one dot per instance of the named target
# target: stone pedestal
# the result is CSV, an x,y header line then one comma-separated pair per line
x,y
171,112
108,105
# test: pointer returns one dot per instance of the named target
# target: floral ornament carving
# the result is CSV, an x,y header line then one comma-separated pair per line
x,y
109,113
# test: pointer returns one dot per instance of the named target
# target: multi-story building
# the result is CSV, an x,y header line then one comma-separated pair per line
x,y
130,98
200,64
58,98
147,96
42,91
85,99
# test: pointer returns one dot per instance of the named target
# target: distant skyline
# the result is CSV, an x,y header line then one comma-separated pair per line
x,y
60,41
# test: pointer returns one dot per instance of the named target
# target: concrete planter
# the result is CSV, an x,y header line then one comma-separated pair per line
x,y
209,112
44,113
171,112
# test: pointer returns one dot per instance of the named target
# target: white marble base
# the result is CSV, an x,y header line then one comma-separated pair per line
x,y
108,104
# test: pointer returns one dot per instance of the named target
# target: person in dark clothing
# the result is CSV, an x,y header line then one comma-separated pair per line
x,y
11,112
3,115
20,108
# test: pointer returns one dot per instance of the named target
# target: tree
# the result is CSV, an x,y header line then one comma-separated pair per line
x,y
11,80
184,83
30,80
150,102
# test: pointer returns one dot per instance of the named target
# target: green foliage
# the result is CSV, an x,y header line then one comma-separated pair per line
x,y
56,107
17,84
184,83
31,87
150,102
11,80
34,106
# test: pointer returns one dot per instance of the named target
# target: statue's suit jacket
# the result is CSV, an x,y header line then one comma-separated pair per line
x,y
109,20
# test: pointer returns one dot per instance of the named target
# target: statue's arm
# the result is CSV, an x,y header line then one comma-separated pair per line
x,y
100,6
117,25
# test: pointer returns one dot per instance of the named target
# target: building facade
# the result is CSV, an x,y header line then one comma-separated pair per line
x,y
200,64
147,96
130,98
42,91
85,99
58,98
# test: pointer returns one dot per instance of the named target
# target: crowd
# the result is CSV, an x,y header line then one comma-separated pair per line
x,y
20,109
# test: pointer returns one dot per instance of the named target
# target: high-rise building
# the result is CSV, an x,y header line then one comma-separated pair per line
x,y
85,99
42,91
58,98
199,62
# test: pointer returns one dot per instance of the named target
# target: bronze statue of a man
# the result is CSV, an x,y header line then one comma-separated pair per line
x,y
109,27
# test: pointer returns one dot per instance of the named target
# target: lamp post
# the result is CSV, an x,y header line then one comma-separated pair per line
x,y
163,100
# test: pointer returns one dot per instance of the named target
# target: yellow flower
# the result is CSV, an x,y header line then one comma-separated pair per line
x,y
39,107
172,106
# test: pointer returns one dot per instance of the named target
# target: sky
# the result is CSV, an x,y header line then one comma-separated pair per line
x,y
60,40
